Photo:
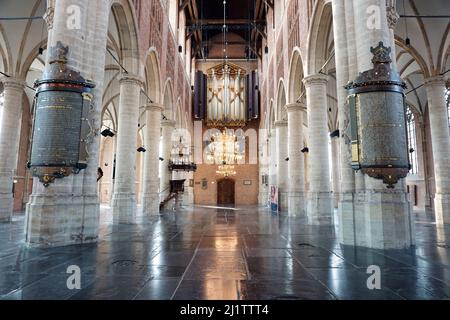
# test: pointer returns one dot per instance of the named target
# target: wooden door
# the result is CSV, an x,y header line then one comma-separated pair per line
x,y
225,191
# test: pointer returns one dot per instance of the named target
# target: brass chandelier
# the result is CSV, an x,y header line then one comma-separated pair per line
x,y
224,150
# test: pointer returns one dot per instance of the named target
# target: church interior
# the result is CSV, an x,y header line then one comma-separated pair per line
x,y
224,149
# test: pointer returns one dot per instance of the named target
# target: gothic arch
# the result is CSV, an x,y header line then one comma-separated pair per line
x,y
125,19
318,37
179,122
296,86
5,51
168,100
153,76
281,113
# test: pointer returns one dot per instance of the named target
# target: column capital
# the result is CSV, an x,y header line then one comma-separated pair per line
x,y
131,79
49,17
438,80
168,123
153,106
292,107
13,83
392,16
280,123
315,79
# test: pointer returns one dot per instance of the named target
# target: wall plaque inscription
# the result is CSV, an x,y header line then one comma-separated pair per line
x,y
61,129
58,129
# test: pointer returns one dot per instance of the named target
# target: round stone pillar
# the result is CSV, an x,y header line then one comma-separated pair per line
x,y
381,217
9,142
282,164
296,199
319,197
152,131
123,201
272,159
67,212
263,160
168,126
440,140
335,169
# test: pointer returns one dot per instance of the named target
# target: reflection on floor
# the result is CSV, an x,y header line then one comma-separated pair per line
x,y
213,253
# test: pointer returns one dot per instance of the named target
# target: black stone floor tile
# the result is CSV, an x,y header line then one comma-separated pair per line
x,y
211,264
112,288
269,268
261,253
209,253
344,289
158,290
285,290
11,281
349,274
413,285
208,289
174,259
52,287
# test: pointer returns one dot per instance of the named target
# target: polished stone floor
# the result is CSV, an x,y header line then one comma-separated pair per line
x,y
223,253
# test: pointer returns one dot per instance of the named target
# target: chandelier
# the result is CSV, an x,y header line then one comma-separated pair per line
x,y
181,157
224,148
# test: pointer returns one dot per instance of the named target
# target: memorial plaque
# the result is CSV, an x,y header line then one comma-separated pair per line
x,y
57,129
376,102
61,129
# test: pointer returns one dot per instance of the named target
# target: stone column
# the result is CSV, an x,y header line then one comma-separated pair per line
x,y
335,169
263,160
319,196
9,142
168,126
188,197
282,164
123,201
296,202
382,217
152,131
272,161
440,140
67,211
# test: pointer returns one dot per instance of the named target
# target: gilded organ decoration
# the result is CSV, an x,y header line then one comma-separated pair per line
x,y
226,96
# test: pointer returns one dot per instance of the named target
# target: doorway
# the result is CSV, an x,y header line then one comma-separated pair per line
x,y
225,192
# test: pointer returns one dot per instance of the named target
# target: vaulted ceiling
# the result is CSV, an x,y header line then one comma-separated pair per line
x,y
427,25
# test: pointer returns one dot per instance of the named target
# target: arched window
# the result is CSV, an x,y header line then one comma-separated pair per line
x,y
412,144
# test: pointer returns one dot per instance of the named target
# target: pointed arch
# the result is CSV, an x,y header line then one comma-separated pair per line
x,y
168,100
281,113
318,37
296,75
126,21
179,122
5,51
152,76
